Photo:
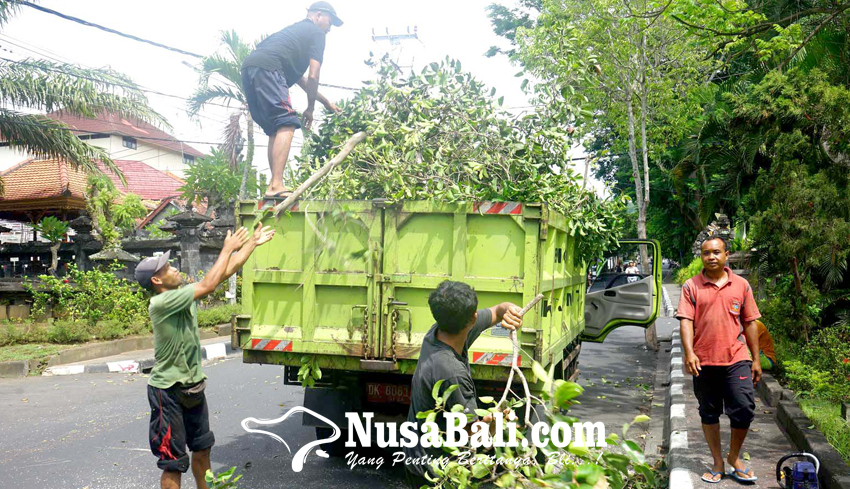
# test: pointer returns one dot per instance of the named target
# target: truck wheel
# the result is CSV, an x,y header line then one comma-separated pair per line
x,y
335,448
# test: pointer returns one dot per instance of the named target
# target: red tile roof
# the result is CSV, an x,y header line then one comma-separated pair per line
x,y
107,123
145,181
43,179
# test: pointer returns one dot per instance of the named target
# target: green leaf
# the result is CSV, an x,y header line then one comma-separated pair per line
x,y
640,418
482,412
431,417
435,392
457,408
539,372
486,399
566,392
480,471
423,414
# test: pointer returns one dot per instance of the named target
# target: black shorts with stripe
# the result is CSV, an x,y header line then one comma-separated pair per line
x,y
268,99
178,420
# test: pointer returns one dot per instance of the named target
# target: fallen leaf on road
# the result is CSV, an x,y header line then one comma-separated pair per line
x,y
25,400
755,430
248,465
811,427
767,412
657,404
746,456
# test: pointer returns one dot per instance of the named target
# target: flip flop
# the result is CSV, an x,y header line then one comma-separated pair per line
x,y
713,475
749,478
283,194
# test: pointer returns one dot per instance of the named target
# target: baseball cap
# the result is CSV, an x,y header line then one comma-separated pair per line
x,y
148,267
328,9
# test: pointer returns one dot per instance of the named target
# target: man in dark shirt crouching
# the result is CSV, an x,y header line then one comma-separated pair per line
x,y
444,357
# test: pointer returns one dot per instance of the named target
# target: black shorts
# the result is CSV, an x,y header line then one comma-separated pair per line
x,y
730,387
268,100
178,420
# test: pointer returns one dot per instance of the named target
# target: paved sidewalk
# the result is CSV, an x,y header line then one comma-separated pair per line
x,y
137,361
689,456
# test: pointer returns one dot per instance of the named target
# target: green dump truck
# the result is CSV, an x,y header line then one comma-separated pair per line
x,y
347,283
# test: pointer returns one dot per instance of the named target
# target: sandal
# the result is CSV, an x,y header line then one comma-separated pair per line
x,y
713,475
744,477
283,194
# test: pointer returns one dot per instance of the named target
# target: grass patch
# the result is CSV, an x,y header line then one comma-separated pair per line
x,y
32,351
826,416
209,318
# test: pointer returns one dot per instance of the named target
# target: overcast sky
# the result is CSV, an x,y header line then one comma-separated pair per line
x,y
459,29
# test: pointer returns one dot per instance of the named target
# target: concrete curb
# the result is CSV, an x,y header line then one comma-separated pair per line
x,y
208,352
669,310
677,425
834,473
14,369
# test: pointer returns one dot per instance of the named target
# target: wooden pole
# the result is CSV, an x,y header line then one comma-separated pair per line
x,y
346,148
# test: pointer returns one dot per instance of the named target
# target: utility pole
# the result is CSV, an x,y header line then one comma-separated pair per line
x,y
396,41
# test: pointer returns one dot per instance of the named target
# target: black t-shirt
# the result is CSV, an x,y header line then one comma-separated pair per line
x,y
290,50
438,360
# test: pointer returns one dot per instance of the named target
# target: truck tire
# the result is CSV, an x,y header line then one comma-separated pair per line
x,y
335,448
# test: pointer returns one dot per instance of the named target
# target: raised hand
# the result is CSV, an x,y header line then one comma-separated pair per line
x,y
262,234
235,241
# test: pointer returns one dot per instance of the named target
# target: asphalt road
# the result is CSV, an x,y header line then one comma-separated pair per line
x,y
90,430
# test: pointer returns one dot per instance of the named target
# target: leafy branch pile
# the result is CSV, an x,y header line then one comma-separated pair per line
x,y
442,135
621,464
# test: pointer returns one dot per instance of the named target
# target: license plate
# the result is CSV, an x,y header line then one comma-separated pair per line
x,y
376,392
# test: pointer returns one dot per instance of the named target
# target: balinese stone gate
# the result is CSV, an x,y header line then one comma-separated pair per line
x,y
196,242
720,227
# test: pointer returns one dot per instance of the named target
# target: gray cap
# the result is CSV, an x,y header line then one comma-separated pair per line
x,y
328,9
148,267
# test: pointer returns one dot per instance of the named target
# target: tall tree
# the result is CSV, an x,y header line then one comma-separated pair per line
x,y
622,66
48,86
111,211
229,68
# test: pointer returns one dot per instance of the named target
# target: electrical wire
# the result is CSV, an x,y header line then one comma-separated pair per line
x,y
106,29
136,38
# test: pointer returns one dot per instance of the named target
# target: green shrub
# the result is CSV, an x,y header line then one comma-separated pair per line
x,y
693,268
11,335
92,296
66,332
826,416
108,330
217,315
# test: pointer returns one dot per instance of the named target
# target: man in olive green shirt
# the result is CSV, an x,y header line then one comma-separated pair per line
x,y
179,412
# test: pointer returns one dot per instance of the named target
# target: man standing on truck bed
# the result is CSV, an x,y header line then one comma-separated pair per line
x,y
179,412
444,357
716,308
277,63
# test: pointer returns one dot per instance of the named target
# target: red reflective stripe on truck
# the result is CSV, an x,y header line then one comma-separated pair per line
x,y
271,345
489,358
513,208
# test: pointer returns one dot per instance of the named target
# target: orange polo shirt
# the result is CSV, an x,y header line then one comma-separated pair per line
x,y
718,314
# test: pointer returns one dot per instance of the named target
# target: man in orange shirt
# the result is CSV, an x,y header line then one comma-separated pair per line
x,y
766,349
716,312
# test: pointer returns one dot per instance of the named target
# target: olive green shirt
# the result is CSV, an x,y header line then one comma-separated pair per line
x,y
176,340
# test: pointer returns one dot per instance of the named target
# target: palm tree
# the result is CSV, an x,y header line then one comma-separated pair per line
x,y
228,67
47,86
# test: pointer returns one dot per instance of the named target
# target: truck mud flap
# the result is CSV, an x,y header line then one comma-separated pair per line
x,y
330,403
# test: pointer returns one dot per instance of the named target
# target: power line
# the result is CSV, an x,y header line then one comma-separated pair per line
x,y
107,29
136,38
